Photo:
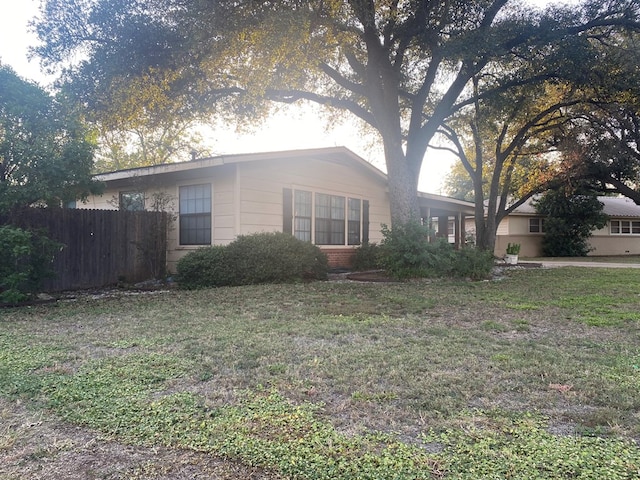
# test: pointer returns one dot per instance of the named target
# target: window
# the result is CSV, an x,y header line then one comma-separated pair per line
x,y
354,221
195,215
330,216
625,227
302,215
325,219
536,225
132,201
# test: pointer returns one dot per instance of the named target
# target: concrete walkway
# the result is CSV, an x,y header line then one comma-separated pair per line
x,y
569,263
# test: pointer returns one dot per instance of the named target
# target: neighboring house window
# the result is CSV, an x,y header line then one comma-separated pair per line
x,y
354,221
132,201
330,216
325,219
536,225
302,211
625,227
195,215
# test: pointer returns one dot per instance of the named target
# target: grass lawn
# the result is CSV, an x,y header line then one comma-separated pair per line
x,y
536,375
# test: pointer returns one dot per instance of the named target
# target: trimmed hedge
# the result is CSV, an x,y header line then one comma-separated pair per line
x,y
253,259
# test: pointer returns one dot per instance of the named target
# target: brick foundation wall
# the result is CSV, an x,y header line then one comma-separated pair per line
x,y
340,257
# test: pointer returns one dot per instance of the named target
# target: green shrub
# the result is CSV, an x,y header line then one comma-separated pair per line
x,y
473,263
571,215
25,262
252,259
205,267
274,258
407,253
368,256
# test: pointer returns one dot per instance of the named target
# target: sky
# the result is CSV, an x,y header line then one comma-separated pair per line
x,y
291,129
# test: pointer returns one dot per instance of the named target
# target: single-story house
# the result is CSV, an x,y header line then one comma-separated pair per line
x,y
328,196
621,235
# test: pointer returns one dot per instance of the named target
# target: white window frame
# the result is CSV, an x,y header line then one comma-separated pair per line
x,y
201,208
132,200
625,226
540,225
346,241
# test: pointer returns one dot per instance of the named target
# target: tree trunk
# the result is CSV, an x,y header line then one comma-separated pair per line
x,y
403,187
485,218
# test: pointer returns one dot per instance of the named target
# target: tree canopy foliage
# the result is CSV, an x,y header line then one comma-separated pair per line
x,y
46,155
527,139
403,67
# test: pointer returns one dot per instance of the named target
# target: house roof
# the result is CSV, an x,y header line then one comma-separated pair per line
x,y
437,204
341,155
613,206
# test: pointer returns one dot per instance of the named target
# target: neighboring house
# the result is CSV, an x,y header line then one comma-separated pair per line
x,y
328,196
621,235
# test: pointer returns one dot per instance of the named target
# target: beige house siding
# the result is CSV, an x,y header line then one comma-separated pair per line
x,y
515,229
603,242
261,202
247,196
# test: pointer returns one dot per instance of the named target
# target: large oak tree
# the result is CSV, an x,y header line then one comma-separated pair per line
x,y
400,66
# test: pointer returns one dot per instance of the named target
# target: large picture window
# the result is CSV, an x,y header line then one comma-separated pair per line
x,y
195,215
625,227
325,219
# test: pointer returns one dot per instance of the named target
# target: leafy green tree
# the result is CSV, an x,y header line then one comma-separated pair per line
x,y
505,145
139,127
602,142
458,183
46,154
605,147
511,143
571,215
146,145
400,67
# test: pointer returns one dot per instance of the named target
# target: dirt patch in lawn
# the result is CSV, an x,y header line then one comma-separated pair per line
x,y
34,446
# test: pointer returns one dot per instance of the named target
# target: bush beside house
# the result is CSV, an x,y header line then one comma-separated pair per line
x,y
406,252
253,259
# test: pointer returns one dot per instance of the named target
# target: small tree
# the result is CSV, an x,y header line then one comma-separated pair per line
x,y
570,217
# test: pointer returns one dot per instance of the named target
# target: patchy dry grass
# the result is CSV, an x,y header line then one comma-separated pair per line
x,y
331,380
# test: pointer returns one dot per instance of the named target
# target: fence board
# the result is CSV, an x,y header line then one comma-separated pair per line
x,y
100,247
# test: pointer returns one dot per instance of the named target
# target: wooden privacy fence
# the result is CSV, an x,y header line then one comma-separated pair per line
x,y
100,247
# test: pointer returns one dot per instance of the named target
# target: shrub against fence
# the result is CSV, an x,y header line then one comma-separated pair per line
x,y
100,247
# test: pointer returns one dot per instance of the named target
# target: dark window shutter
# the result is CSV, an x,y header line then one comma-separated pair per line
x,y
287,210
365,221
